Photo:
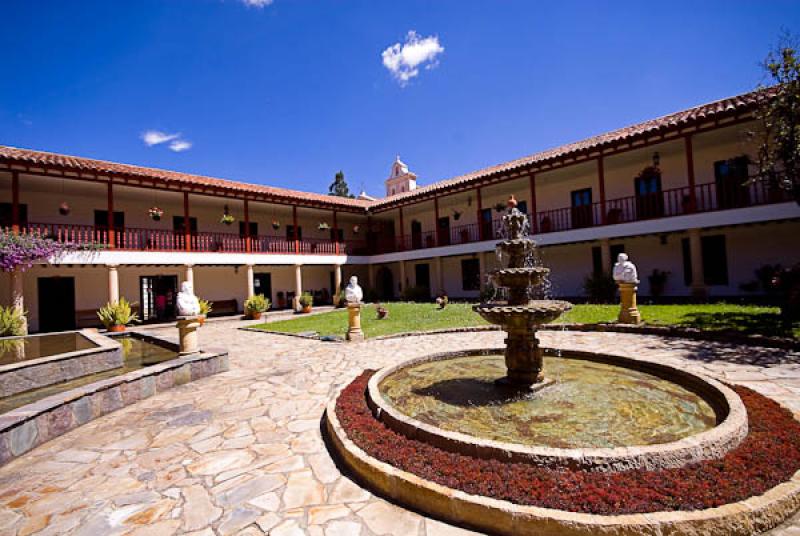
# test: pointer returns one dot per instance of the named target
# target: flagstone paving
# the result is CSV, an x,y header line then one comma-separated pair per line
x,y
241,452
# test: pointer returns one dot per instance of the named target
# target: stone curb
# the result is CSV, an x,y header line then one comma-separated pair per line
x,y
744,518
27,427
662,331
710,444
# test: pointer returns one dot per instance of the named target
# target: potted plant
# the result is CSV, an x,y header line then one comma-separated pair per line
x,y
356,229
155,213
12,321
205,308
658,280
64,208
456,215
276,224
323,226
499,207
382,311
305,300
116,315
255,305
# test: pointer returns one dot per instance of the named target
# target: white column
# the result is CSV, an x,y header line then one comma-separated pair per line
x,y
113,282
337,282
17,296
298,285
189,276
605,255
696,253
251,287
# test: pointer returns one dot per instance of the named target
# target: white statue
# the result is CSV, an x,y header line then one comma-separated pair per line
x,y
188,304
353,293
625,270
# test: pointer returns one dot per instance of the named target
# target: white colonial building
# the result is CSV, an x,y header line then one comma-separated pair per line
x,y
671,192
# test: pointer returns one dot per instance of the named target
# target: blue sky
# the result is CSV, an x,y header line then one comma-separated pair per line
x,y
292,91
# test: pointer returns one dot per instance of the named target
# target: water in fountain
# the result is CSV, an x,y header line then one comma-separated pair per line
x,y
520,314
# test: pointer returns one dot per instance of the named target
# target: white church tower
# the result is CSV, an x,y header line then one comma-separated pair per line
x,y
400,179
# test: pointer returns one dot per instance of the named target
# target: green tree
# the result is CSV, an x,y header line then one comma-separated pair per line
x,y
339,186
778,162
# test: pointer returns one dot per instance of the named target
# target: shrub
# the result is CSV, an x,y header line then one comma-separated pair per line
x,y
205,307
12,321
306,300
117,313
256,304
600,288
417,294
341,301
21,251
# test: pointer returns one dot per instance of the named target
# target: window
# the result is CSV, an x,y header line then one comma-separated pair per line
x,y
5,215
470,274
730,178
522,206
422,275
253,229
714,257
290,232
177,224
581,208
597,258
101,219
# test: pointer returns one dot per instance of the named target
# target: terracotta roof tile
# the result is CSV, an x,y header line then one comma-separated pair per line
x,y
102,167
727,106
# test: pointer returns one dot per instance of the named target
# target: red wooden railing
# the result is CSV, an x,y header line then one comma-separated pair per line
x,y
674,202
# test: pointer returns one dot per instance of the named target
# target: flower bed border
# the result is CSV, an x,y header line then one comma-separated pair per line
x,y
748,516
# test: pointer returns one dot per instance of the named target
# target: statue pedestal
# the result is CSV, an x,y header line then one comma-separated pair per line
x,y
354,332
187,334
628,312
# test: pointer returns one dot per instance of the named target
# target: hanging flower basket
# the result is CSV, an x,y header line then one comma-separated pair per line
x,y
64,208
227,218
456,215
276,224
356,229
323,226
499,207
155,213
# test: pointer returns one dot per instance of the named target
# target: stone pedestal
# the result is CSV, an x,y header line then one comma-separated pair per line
x,y
187,334
523,356
628,312
354,332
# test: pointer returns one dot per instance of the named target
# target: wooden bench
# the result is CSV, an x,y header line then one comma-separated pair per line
x,y
224,307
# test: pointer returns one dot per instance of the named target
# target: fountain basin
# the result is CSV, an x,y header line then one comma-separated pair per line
x,y
719,426
535,312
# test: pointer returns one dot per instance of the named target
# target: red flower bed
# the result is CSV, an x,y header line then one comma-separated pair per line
x,y
769,455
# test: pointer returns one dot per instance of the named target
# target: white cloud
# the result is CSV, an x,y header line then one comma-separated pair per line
x,y
180,145
404,59
156,137
257,3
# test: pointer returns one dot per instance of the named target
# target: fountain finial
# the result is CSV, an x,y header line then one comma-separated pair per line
x,y
512,202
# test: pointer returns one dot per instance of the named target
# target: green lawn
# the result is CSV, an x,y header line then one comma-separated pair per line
x,y
405,317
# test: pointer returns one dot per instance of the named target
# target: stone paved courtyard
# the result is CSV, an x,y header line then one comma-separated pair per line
x,y
241,452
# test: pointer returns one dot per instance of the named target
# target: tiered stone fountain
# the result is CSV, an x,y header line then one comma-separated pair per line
x,y
520,315
605,413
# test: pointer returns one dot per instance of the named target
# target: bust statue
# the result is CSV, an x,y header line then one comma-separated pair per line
x,y
188,304
353,292
625,270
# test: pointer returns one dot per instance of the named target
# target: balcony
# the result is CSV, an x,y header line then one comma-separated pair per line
x,y
152,240
708,197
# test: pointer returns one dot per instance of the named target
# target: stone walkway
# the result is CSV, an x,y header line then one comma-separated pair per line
x,y
241,452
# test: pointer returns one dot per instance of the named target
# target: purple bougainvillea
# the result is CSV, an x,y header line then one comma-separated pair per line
x,y
769,455
21,251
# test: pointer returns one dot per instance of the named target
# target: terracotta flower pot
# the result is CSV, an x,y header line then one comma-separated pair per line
x,y
117,328
306,309
255,315
201,319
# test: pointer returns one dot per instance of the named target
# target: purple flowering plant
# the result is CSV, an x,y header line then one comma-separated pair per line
x,y
22,251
